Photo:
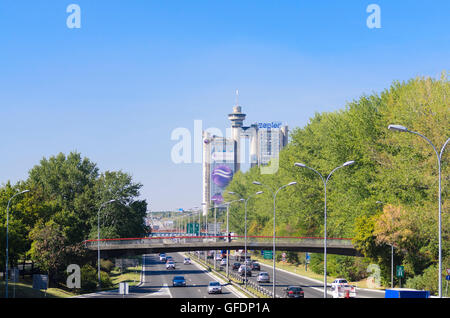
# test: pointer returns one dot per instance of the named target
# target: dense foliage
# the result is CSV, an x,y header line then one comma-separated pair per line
x,y
390,194
49,223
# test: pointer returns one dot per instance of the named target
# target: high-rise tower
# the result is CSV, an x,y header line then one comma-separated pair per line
x,y
237,121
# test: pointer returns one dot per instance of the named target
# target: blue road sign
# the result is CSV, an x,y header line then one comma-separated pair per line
x,y
447,277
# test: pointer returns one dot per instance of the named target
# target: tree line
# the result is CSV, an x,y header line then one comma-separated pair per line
x,y
49,223
388,196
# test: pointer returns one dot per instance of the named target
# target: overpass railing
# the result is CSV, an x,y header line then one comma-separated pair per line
x,y
183,239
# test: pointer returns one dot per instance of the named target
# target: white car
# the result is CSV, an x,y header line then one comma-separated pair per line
x,y
223,262
263,277
187,261
218,257
162,257
170,265
214,288
339,282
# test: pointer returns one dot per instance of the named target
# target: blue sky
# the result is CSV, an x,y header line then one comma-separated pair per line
x,y
116,88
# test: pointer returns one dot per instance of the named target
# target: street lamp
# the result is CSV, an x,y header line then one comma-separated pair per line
x,y
274,209
227,204
98,239
245,228
325,181
7,230
439,158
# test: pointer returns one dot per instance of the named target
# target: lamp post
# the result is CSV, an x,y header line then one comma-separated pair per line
x,y
228,231
98,239
325,181
245,228
401,128
274,209
7,242
207,230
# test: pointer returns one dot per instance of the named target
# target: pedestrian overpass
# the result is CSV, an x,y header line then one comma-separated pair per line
x,y
126,247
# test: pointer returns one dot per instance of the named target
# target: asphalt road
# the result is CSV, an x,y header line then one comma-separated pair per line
x,y
156,282
197,279
312,288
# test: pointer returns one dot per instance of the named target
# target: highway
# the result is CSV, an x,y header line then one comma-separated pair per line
x,y
156,282
312,288
156,276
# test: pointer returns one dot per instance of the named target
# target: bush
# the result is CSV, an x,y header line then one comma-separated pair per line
x,y
427,281
89,279
105,280
106,265
316,263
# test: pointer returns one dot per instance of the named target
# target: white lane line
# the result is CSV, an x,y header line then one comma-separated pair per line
x,y
164,291
300,276
215,278
320,282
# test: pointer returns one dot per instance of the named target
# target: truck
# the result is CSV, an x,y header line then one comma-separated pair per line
x,y
406,293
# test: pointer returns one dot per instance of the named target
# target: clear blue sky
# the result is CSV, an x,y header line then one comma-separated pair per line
x,y
116,88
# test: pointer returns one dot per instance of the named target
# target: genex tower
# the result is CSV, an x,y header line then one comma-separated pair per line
x,y
222,156
237,121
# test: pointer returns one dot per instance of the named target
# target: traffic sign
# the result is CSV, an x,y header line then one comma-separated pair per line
x,y
400,271
447,277
193,228
448,271
268,254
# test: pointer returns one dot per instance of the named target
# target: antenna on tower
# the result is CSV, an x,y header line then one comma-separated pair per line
x,y
237,97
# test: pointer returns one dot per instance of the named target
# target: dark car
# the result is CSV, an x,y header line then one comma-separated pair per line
x,y
178,281
294,292
244,269
236,266
169,258
256,266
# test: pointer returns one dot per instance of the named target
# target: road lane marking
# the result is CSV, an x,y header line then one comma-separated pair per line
x,y
223,283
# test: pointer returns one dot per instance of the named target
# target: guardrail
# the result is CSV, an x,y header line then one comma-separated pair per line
x,y
236,238
237,277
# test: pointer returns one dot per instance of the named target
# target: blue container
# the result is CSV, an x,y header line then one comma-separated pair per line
x,y
406,293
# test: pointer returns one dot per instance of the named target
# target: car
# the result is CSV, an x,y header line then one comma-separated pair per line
x,y
263,277
162,257
170,265
218,257
256,266
236,266
178,281
169,259
214,288
223,262
187,261
338,282
294,292
244,269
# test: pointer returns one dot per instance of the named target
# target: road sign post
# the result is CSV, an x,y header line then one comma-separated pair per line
x,y
268,254
400,271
